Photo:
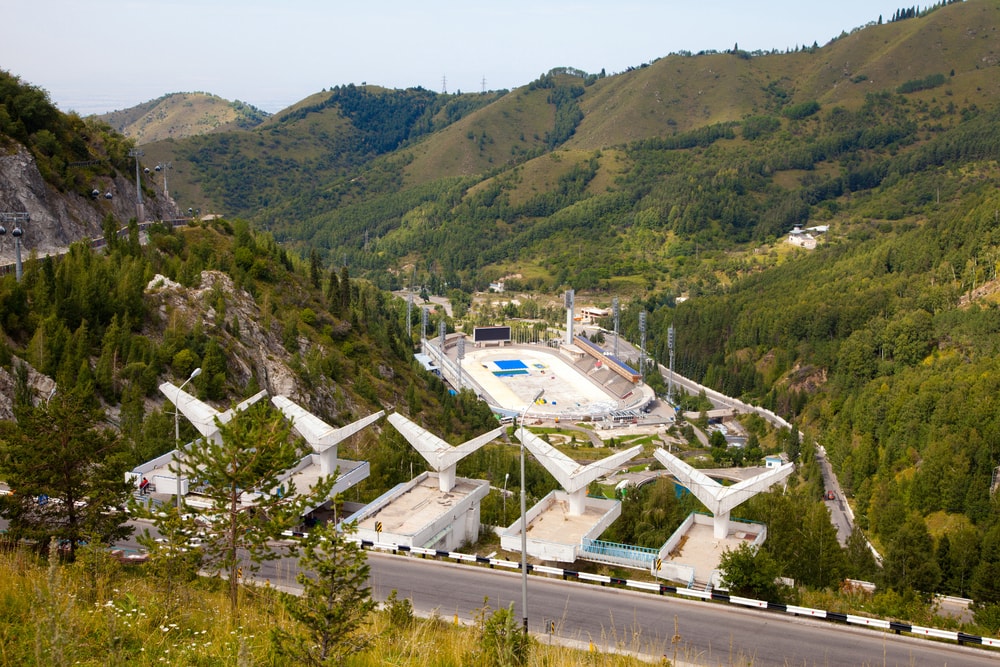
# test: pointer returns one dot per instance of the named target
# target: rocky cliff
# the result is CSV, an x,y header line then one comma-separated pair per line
x,y
57,219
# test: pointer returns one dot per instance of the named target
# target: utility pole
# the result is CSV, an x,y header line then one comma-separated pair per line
x,y
136,153
17,218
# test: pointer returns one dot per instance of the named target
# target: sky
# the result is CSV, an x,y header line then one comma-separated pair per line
x,y
103,55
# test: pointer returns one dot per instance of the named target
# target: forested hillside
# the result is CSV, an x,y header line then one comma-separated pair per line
x,y
682,178
679,178
114,323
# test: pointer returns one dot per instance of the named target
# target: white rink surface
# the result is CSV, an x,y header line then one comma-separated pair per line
x,y
566,388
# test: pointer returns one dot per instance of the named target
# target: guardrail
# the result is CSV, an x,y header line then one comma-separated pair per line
x,y
101,242
666,589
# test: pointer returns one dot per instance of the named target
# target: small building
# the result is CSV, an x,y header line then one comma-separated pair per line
x,y
773,461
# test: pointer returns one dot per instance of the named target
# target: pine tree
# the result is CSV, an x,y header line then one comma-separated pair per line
x,y
65,469
335,601
241,474
315,268
345,291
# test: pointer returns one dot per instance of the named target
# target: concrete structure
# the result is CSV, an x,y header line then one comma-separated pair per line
x,y
573,477
202,416
561,523
575,388
803,238
162,471
691,555
555,534
323,439
436,510
418,514
720,500
440,456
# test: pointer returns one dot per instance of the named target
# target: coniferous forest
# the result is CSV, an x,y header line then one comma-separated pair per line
x,y
672,186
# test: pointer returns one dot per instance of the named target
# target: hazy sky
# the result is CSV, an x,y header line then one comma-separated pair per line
x,y
94,56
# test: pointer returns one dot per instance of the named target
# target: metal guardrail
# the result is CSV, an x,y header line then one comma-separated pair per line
x,y
627,555
666,589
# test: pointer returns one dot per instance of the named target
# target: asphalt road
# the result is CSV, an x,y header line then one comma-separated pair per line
x,y
708,633
842,521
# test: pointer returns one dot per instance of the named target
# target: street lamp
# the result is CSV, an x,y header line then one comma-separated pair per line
x,y
505,478
177,430
524,523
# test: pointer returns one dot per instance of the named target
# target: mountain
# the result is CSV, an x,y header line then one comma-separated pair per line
x,y
181,115
673,186
383,176
70,175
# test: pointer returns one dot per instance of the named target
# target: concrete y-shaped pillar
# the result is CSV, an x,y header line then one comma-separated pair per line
x,y
573,477
720,500
441,456
201,415
322,437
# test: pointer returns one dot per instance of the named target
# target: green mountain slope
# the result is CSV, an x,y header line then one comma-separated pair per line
x,y
181,115
683,178
352,172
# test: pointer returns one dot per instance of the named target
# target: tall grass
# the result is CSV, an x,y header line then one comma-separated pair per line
x,y
98,611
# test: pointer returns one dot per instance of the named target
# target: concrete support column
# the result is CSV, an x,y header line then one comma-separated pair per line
x,y
446,479
720,525
578,502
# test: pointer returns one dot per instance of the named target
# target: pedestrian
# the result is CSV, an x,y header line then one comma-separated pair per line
x,y
144,486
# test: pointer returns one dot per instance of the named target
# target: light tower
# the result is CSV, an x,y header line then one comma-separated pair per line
x,y
569,296
17,218
670,382
617,313
409,320
136,153
642,343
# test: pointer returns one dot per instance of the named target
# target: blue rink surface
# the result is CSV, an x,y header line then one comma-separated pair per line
x,y
510,364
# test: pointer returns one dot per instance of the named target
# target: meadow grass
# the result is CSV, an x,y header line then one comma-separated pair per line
x,y
107,613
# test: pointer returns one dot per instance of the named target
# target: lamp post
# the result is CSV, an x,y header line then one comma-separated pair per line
x,y
177,430
524,522
505,478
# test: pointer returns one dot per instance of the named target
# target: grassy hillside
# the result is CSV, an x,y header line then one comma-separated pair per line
x,y
679,178
348,171
182,115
